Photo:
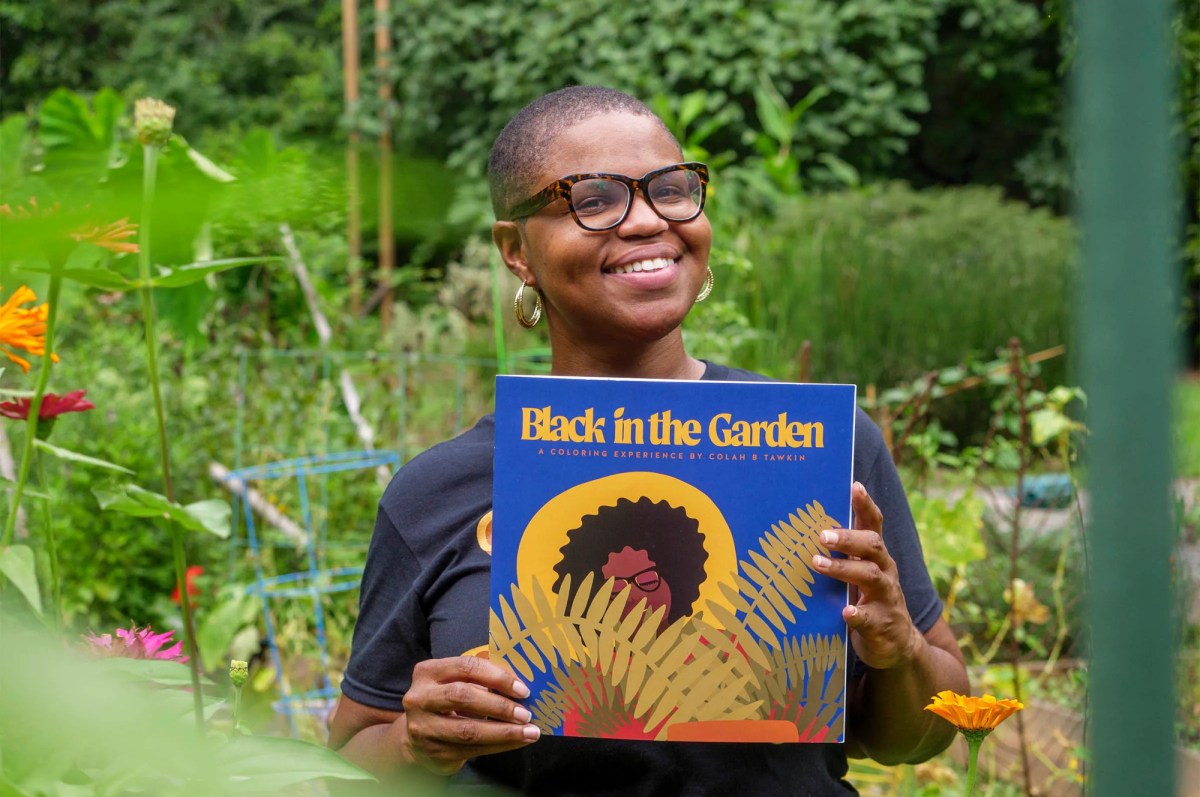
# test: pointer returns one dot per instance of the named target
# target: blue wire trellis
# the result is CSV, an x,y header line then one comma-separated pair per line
x,y
310,583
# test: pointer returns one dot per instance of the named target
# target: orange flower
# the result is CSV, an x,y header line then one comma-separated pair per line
x,y
973,713
23,328
111,237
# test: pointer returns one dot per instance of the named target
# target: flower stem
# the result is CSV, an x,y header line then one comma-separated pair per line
x,y
150,162
237,705
51,545
35,407
974,742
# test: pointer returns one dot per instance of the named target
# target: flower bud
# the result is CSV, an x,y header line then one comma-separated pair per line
x,y
152,119
239,671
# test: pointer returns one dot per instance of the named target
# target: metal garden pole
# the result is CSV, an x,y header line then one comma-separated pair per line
x,y
1129,219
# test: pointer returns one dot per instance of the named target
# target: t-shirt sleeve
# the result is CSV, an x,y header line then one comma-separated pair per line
x,y
391,634
878,474
425,585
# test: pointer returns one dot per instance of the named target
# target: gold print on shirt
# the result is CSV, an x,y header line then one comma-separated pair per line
x,y
483,532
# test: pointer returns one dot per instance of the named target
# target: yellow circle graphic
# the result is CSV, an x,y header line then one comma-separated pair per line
x,y
541,545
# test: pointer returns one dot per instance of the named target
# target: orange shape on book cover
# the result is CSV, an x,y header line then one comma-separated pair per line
x,y
777,731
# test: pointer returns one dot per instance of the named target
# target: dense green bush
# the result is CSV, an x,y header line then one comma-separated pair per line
x,y
465,69
889,282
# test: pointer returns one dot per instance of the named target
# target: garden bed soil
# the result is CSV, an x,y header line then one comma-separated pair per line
x,y
1054,734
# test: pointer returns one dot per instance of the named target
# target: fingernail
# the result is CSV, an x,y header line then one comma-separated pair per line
x,y
859,489
851,611
522,715
829,537
531,733
520,689
820,562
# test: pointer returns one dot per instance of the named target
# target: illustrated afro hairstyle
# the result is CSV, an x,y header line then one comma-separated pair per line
x,y
671,538
519,152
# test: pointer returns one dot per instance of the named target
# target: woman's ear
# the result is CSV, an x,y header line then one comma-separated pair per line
x,y
510,240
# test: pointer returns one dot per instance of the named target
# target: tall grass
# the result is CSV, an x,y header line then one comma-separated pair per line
x,y
888,282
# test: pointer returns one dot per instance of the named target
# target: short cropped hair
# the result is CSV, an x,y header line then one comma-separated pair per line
x,y
670,537
519,151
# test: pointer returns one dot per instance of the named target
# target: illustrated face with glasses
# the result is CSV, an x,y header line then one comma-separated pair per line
x,y
600,201
633,567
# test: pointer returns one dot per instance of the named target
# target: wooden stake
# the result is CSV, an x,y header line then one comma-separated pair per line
x,y
387,254
350,62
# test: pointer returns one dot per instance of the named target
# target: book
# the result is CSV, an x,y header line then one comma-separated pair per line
x,y
652,545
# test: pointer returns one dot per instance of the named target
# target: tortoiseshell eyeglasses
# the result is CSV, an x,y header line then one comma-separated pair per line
x,y
600,201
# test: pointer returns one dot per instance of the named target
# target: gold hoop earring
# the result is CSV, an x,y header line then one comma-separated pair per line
x,y
519,307
708,285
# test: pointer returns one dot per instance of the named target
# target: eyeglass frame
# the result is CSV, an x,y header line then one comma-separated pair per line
x,y
633,579
561,189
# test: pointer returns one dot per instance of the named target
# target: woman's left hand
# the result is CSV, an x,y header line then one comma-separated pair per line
x,y
881,630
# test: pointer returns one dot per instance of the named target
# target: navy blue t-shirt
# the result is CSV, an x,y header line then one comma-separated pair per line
x,y
425,596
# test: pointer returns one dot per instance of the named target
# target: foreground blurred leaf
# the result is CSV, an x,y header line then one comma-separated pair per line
x,y
194,272
212,515
74,456
257,764
16,564
71,727
167,673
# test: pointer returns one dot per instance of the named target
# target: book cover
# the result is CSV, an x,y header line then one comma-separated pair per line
x,y
652,545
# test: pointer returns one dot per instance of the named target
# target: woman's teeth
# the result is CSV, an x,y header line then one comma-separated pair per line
x,y
642,265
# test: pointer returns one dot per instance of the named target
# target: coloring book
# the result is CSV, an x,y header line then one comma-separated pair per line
x,y
652,545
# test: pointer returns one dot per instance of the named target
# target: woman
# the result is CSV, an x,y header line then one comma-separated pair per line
x,y
585,188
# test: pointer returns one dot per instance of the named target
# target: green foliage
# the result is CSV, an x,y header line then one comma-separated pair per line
x,y
467,68
1187,429
233,65
889,283
122,726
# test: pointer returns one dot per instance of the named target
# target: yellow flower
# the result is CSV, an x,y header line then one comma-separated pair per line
x,y
973,713
23,328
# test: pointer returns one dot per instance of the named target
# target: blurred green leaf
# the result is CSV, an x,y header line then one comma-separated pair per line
x,y
165,673
75,456
257,764
212,515
194,272
16,564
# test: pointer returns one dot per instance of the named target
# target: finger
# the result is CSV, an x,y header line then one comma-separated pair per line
x,y
860,544
865,574
856,617
471,670
467,738
469,700
866,513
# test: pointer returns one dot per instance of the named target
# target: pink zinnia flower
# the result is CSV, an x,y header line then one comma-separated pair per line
x,y
52,406
137,643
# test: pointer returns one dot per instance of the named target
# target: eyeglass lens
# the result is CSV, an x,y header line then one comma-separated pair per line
x,y
601,203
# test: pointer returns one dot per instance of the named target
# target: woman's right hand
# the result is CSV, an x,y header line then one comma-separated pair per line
x,y
463,707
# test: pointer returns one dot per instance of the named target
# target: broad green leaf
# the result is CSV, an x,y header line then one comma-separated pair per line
x,y
258,764
133,500
74,456
213,514
194,272
16,564
218,629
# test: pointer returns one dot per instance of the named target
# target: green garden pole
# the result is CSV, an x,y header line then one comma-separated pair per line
x,y
1125,164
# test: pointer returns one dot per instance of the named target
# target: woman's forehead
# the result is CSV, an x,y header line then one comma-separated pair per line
x,y
622,143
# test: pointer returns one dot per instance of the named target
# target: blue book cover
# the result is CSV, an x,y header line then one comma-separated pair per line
x,y
652,545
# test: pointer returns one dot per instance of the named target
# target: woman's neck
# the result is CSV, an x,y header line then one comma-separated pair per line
x,y
663,359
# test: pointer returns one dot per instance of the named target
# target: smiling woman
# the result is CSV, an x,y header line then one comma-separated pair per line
x,y
599,216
